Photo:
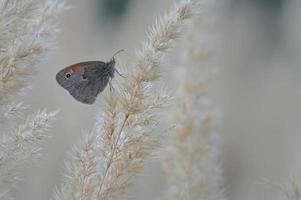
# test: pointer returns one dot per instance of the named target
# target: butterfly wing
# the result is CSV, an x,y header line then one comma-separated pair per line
x,y
84,82
99,75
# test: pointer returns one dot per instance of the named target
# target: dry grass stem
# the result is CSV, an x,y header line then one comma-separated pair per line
x,y
124,138
27,33
191,161
21,146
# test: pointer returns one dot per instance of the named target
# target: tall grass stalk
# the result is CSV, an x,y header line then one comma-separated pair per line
x,y
192,158
27,36
106,163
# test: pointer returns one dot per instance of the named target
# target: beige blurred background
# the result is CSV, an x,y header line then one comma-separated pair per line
x,y
257,89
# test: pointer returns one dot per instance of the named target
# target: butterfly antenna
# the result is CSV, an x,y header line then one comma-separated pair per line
x,y
113,59
119,51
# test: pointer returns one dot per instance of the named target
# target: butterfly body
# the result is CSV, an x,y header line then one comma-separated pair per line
x,y
85,80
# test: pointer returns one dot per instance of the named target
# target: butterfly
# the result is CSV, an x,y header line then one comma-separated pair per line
x,y
85,80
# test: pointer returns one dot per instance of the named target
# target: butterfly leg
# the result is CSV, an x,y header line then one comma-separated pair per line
x,y
111,86
119,73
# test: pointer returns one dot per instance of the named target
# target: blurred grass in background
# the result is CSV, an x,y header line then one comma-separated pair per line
x,y
111,12
269,17
274,5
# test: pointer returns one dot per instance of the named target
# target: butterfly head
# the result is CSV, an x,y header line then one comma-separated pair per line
x,y
111,64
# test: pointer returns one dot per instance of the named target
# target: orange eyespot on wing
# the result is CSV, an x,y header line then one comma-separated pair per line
x,y
67,75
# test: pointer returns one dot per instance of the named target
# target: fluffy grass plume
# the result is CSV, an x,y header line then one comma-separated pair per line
x,y
27,30
191,161
21,145
106,163
27,33
290,189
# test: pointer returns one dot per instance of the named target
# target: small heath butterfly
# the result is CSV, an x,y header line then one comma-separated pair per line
x,y
85,80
